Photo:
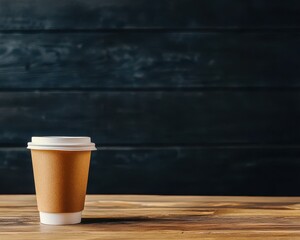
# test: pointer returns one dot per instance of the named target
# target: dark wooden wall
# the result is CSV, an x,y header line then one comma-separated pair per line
x,y
182,96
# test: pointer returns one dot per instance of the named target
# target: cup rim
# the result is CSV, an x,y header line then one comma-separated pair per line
x,y
66,143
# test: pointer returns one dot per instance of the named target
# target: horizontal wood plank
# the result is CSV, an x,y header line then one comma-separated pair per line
x,y
147,118
145,217
173,170
148,60
94,14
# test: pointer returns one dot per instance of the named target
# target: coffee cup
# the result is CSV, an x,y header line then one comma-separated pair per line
x,y
60,168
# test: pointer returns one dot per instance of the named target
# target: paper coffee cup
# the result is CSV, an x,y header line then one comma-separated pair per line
x,y
60,167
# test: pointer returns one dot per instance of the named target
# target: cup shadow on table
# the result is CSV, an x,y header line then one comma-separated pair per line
x,y
116,220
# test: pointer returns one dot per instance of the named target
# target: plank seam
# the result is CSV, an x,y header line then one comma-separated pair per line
x,y
176,146
153,89
153,30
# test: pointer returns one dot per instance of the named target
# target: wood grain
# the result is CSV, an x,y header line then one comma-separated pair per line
x,y
156,60
157,217
198,94
116,14
147,118
173,170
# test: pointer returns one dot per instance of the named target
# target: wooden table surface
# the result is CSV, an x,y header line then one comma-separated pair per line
x,y
159,217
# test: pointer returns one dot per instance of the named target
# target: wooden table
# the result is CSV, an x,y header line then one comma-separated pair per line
x,y
159,217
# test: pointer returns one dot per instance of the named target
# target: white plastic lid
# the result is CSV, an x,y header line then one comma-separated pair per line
x,y
62,143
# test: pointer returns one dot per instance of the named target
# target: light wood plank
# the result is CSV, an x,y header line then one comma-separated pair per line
x,y
159,217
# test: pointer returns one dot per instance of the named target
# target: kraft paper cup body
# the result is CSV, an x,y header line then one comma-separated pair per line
x,y
61,178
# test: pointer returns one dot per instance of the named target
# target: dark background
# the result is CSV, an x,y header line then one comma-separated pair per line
x,y
181,96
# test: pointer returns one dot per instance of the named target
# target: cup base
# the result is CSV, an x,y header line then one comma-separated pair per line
x,y
60,218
